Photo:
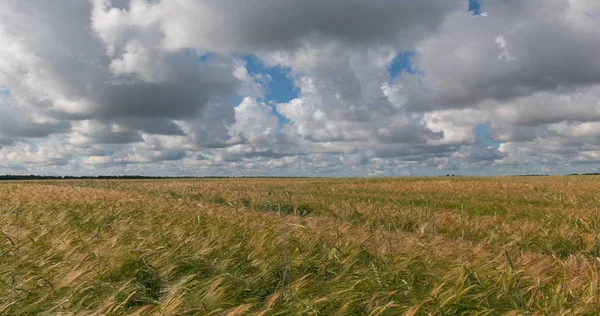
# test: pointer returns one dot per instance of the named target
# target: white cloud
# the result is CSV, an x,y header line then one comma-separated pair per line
x,y
138,86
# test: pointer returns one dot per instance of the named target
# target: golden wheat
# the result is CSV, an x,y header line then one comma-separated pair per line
x,y
412,246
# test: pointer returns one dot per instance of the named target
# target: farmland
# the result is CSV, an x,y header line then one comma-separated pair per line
x,y
415,246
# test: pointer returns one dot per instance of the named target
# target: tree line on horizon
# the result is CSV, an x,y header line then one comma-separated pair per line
x,y
134,177
120,177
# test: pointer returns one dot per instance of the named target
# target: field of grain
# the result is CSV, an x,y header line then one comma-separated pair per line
x,y
414,246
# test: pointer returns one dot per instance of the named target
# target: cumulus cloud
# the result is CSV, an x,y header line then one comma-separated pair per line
x,y
59,60
163,87
518,49
266,25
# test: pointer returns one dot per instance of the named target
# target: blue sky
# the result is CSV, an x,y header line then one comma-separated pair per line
x,y
280,88
483,135
475,7
402,64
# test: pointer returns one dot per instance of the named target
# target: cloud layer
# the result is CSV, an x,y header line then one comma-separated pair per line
x,y
181,87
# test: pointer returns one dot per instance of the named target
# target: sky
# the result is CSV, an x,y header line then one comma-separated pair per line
x,y
299,88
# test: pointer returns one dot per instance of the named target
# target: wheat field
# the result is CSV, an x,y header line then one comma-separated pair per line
x,y
389,246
